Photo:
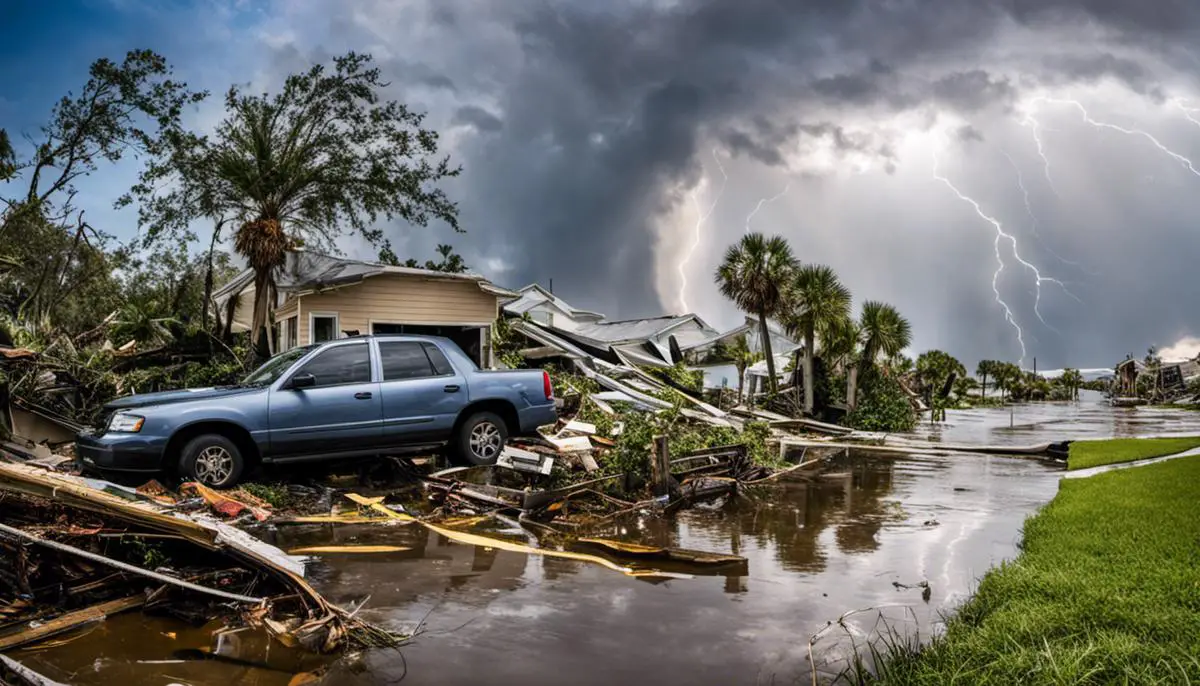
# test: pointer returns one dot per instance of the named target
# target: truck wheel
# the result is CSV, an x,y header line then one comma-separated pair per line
x,y
213,460
480,439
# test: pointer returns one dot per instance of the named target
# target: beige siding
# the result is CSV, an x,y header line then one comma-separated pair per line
x,y
403,299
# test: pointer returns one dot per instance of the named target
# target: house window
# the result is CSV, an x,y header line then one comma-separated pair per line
x,y
323,327
290,334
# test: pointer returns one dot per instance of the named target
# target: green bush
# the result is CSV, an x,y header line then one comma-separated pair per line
x,y
882,405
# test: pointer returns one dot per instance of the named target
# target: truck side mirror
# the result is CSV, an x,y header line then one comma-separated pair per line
x,y
302,381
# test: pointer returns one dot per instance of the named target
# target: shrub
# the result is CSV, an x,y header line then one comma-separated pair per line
x,y
882,405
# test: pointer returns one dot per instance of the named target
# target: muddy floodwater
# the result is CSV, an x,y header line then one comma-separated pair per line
x,y
864,534
1090,417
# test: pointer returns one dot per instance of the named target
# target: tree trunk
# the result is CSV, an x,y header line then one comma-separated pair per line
x,y
766,343
208,280
852,387
259,334
741,382
983,388
810,391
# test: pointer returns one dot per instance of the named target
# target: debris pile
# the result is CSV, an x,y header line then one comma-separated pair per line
x,y
74,554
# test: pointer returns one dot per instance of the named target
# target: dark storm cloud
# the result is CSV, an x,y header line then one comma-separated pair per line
x,y
972,90
606,107
481,119
1091,68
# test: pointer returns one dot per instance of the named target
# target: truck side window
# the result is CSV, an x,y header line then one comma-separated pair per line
x,y
341,364
404,360
441,366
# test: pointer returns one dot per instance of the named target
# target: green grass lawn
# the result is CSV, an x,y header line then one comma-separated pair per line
x,y
1106,590
1086,454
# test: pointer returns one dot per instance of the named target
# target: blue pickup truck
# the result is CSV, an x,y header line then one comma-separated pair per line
x,y
361,396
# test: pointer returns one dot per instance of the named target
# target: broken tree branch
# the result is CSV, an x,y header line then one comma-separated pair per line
x,y
133,569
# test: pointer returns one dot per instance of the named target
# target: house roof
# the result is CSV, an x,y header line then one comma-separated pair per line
x,y
533,295
304,271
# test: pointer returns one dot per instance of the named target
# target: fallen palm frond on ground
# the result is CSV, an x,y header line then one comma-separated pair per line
x,y
1105,591
1085,454
73,555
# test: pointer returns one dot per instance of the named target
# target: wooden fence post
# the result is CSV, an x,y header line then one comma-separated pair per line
x,y
660,466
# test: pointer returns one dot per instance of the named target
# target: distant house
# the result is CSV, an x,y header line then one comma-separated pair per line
x,y
320,298
653,341
1172,375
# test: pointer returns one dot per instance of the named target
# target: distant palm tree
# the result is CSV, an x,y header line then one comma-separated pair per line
x,y
982,370
1072,379
754,275
815,300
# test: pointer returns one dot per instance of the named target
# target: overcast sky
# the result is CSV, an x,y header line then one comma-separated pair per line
x,y
618,147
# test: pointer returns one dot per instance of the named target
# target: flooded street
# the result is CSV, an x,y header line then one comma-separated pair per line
x,y
864,534
815,551
1029,424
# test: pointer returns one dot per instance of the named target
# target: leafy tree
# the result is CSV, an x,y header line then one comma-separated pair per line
x,y
816,299
8,158
934,367
57,261
754,275
743,358
322,156
451,261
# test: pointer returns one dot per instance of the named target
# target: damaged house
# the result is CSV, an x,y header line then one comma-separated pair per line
x,y
319,297
1171,376
650,342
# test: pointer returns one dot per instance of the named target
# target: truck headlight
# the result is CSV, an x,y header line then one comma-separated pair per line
x,y
126,423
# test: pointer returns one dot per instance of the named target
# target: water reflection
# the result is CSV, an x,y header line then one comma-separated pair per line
x,y
816,549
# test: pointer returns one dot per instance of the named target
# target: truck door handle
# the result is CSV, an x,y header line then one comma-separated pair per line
x,y
451,388
362,396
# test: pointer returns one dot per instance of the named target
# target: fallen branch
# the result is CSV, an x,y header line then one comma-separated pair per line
x,y
123,566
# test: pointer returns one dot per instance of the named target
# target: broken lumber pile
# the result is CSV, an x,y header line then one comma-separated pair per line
x,y
71,554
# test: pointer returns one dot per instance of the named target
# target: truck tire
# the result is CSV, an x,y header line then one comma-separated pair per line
x,y
212,460
480,439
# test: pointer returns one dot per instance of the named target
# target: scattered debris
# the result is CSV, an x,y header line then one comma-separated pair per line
x,y
353,549
75,554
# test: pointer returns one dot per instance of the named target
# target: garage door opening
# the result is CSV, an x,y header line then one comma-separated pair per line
x,y
475,341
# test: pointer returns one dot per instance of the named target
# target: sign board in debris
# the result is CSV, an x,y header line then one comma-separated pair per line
x,y
526,461
571,444
580,427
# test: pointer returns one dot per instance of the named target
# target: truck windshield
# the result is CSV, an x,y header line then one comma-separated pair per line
x,y
276,366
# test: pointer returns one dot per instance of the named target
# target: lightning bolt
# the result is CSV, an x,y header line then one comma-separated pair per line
x,y
1129,132
766,201
1034,220
1008,313
1181,103
703,217
1036,128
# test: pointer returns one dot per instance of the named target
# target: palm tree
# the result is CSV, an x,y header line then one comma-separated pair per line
x,y
882,330
1072,379
982,370
815,300
264,245
754,275
742,357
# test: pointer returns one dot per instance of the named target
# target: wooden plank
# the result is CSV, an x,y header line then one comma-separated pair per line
x,y
69,622
660,466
